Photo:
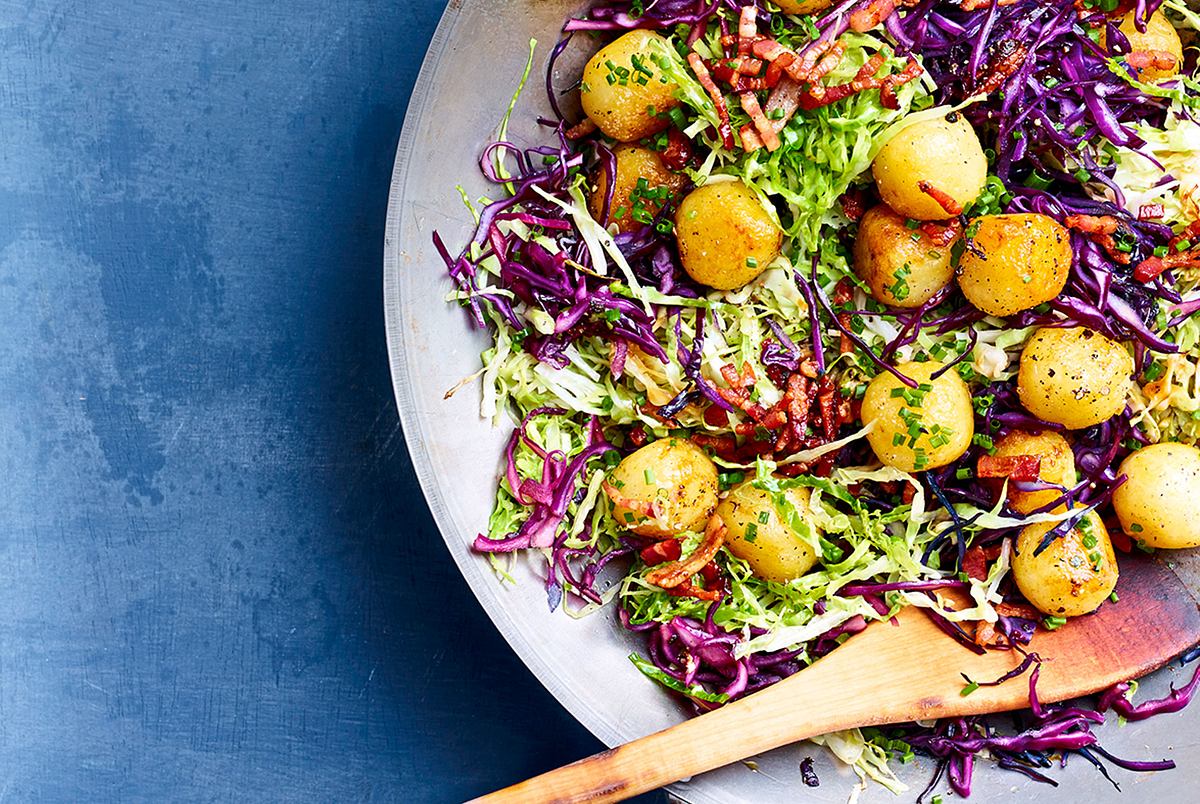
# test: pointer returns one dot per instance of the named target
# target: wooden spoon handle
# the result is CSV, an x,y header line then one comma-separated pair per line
x,y
755,724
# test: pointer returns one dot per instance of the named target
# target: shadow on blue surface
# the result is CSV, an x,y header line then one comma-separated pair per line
x,y
219,579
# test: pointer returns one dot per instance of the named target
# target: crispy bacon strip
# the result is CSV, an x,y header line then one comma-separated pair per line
x,y
943,199
1093,224
725,129
1150,268
887,90
1100,230
808,63
1015,467
765,130
831,60
747,29
669,576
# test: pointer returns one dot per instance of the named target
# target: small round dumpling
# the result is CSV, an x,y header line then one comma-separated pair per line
x,y
726,237
1057,466
757,534
934,159
921,428
1074,376
623,90
1157,504
664,488
1015,262
1073,575
903,267
643,185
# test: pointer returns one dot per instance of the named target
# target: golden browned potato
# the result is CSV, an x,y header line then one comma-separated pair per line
x,y
757,534
1015,262
803,6
918,428
1057,466
643,185
933,159
726,237
1074,376
624,92
664,488
1160,42
1073,575
903,267
1157,504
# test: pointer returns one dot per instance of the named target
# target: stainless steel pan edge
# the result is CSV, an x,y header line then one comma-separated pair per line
x,y
472,64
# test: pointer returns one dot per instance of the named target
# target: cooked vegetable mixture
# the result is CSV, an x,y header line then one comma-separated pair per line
x,y
810,311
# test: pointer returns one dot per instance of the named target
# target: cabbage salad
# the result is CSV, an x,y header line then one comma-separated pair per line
x,y
808,311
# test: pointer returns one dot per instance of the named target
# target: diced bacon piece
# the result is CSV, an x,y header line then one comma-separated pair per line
x,y
1152,59
751,142
1014,467
679,572
1021,610
1149,269
582,129
766,131
875,12
1151,212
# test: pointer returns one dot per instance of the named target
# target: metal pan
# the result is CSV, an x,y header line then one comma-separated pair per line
x,y
468,77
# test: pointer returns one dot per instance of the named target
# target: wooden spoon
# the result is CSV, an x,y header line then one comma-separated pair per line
x,y
894,674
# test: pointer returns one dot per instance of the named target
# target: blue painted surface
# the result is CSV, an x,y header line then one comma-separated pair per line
x,y
218,579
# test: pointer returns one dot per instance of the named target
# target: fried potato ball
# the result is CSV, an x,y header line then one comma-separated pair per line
x,y
664,488
1015,262
918,428
903,267
1074,376
758,534
933,169
623,90
1157,503
726,237
1073,575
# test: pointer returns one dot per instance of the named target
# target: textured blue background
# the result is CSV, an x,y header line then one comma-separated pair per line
x,y
218,579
